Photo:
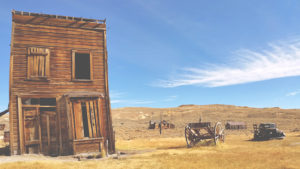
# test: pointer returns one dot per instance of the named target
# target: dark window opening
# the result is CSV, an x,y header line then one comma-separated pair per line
x,y
39,101
84,120
42,109
48,101
82,66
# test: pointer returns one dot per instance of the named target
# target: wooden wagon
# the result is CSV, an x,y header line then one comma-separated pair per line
x,y
195,132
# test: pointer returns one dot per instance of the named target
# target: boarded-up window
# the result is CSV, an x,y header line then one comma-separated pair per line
x,y
81,65
86,118
38,63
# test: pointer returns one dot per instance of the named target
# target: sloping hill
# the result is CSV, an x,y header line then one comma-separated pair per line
x,y
132,122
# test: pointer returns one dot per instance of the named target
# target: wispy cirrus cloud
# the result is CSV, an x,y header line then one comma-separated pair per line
x,y
281,59
293,93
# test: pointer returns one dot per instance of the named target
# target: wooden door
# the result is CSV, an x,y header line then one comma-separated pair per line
x,y
31,130
77,112
49,132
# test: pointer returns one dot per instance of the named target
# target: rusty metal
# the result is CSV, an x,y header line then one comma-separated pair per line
x,y
195,132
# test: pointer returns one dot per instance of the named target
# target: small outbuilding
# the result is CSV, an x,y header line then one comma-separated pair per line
x,y
235,125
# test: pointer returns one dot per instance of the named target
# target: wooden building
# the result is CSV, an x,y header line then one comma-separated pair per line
x,y
235,125
58,90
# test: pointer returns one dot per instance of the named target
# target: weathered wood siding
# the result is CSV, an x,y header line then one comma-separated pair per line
x,y
31,31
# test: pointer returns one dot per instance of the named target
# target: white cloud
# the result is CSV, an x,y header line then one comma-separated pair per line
x,y
279,60
293,93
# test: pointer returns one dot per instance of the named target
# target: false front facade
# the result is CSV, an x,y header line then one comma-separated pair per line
x,y
58,99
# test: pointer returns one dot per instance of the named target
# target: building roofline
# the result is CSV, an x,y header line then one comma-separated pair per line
x,y
98,21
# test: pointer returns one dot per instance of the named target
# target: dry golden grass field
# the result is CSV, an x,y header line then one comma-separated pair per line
x,y
237,152
143,148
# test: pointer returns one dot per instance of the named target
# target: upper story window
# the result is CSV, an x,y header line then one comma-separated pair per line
x,y
38,66
81,65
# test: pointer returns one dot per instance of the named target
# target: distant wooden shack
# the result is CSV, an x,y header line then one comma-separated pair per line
x,y
235,125
58,90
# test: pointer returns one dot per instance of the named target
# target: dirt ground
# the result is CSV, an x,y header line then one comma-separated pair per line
x,y
143,148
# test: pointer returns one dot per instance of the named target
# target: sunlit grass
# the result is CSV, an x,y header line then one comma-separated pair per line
x,y
237,152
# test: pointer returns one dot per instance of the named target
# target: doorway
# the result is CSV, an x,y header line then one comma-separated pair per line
x,y
39,126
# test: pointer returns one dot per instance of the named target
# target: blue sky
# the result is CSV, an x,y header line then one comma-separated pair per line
x,y
164,53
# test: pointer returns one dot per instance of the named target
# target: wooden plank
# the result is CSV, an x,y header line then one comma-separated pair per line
x,y
45,34
63,23
57,29
100,116
58,112
97,117
47,64
35,66
48,130
91,66
62,40
78,120
73,127
40,130
107,100
21,126
73,64
88,115
42,66
11,108
57,43
29,66
94,127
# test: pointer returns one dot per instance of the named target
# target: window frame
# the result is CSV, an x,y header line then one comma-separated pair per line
x,y
47,64
94,118
73,65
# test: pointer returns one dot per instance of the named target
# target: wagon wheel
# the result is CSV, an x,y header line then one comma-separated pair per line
x,y
189,137
219,134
